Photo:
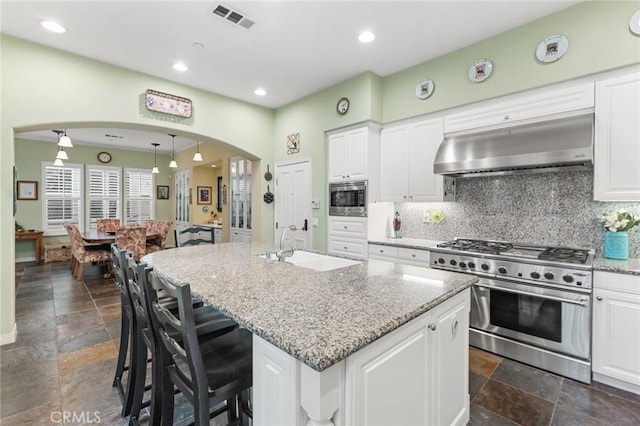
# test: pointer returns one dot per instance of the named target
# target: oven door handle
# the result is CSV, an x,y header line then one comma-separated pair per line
x,y
583,301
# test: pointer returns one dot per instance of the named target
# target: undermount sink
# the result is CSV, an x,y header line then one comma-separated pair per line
x,y
317,262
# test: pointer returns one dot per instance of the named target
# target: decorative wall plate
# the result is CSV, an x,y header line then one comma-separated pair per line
x,y
634,23
480,70
424,89
552,48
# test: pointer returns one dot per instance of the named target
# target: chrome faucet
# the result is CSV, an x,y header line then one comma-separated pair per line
x,y
282,254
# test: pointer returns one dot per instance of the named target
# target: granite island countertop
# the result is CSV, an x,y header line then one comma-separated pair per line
x,y
317,317
630,266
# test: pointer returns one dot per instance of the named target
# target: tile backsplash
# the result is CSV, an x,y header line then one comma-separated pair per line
x,y
546,208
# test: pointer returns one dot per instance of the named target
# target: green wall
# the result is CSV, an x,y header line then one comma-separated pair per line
x,y
599,40
44,88
29,157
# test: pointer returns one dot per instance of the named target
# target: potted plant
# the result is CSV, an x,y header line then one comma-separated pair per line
x,y
616,236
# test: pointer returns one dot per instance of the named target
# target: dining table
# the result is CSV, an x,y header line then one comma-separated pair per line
x,y
94,236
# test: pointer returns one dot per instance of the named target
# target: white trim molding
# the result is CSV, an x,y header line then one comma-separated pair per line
x,y
7,339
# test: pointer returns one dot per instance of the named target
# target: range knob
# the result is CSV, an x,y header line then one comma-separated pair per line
x,y
485,266
462,265
568,278
471,265
549,275
440,260
502,270
452,262
535,275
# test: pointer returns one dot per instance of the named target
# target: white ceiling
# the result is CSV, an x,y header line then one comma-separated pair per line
x,y
295,48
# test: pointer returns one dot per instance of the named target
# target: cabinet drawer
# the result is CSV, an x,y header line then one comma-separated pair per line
x,y
351,247
348,227
415,256
380,252
522,107
616,282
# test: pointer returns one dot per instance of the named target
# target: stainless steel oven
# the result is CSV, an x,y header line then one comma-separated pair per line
x,y
531,303
348,198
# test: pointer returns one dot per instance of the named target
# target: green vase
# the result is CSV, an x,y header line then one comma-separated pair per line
x,y
616,245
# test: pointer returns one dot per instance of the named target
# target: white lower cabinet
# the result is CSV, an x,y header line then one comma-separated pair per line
x,y
347,236
406,256
415,375
217,234
240,235
616,330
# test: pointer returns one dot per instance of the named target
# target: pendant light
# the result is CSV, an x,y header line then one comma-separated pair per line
x,y
197,156
155,158
65,141
58,163
62,154
173,164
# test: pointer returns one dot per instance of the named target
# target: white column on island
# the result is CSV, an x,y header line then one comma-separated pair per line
x,y
320,393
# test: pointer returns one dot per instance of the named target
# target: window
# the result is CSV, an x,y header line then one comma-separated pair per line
x,y
138,196
104,194
62,197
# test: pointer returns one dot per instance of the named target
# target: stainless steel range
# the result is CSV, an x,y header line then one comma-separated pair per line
x,y
532,303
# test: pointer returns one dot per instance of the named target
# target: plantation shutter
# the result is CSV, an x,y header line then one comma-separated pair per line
x,y
104,194
62,197
138,196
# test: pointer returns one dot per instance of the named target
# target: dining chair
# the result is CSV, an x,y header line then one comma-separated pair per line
x,y
82,253
209,372
194,235
123,364
210,323
161,228
108,225
133,239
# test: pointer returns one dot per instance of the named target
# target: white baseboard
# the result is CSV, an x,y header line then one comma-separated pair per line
x,y
25,259
6,339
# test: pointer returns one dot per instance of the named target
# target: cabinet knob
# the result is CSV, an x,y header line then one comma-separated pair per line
x,y
345,247
454,328
381,251
411,196
413,255
506,117
345,227
432,327
599,298
404,196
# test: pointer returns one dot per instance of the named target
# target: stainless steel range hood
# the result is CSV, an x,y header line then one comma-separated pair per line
x,y
560,144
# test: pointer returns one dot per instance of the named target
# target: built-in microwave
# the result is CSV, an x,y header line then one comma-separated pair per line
x,y
348,198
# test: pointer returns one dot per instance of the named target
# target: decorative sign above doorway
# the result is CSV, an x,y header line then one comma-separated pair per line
x,y
168,104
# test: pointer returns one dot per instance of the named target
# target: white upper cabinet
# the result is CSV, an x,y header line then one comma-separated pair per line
x,y
522,108
617,139
407,153
348,155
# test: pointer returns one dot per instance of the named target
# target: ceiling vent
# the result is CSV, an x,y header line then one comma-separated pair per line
x,y
233,16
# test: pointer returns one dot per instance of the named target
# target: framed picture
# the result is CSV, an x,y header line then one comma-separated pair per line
x,y
219,201
204,195
162,192
27,190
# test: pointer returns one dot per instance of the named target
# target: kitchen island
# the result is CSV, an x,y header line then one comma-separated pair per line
x,y
372,343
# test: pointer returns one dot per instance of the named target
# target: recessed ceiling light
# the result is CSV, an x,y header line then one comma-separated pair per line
x,y
198,45
213,165
260,92
179,66
53,27
366,37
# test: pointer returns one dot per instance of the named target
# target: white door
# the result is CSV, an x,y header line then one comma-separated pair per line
x,y
292,196
182,181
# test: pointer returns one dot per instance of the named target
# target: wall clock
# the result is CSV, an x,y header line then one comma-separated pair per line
x,y
342,106
104,157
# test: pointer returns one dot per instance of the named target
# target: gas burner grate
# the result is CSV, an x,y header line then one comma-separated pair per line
x,y
564,254
478,246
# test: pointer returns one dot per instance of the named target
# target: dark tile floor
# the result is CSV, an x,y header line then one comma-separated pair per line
x,y
68,333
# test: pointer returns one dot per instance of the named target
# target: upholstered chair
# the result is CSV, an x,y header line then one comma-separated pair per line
x,y
161,228
133,239
108,225
83,254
